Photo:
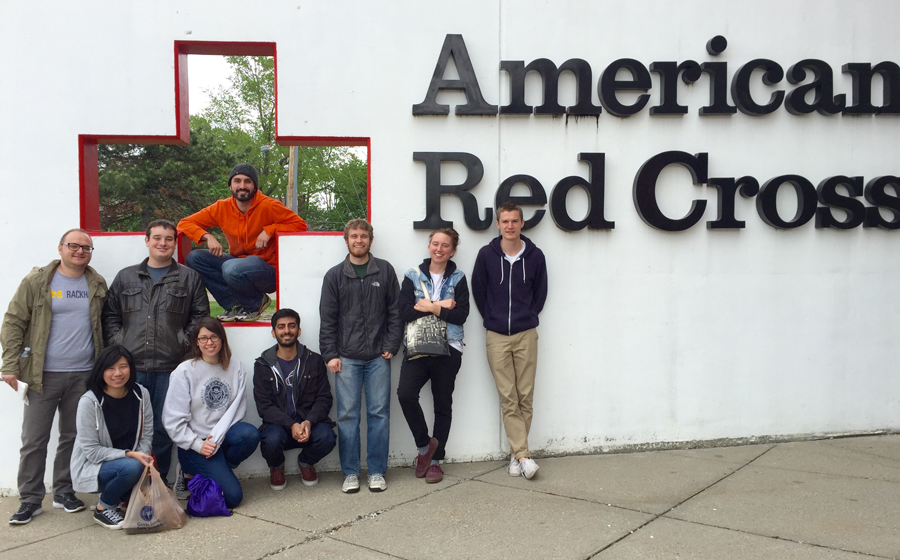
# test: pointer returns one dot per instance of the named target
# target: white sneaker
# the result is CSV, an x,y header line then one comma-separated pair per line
x,y
377,483
351,484
514,469
528,467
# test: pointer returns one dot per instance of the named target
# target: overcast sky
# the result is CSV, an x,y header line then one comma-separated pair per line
x,y
204,72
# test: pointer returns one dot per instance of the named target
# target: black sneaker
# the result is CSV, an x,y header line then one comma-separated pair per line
x,y
25,513
109,518
68,502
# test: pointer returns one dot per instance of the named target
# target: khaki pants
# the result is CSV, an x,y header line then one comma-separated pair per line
x,y
513,362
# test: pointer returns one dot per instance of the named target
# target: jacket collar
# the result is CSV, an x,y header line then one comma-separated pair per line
x,y
371,267
269,357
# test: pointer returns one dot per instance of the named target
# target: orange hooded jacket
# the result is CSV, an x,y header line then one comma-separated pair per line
x,y
241,230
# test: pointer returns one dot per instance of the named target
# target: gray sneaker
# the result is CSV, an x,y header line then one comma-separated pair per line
x,y
180,487
351,484
248,316
377,483
231,314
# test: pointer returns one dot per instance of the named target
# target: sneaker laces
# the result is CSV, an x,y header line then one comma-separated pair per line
x,y
113,516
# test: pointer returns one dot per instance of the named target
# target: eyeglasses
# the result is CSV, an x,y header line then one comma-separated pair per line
x,y
205,339
75,246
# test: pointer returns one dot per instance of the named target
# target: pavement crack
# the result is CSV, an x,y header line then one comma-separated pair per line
x,y
656,516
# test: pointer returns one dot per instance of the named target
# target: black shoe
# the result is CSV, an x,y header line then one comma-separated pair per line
x,y
109,518
25,513
68,502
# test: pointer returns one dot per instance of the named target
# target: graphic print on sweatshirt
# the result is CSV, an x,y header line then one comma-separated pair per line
x,y
216,394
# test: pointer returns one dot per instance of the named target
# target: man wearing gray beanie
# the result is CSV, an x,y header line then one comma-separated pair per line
x,y
241,279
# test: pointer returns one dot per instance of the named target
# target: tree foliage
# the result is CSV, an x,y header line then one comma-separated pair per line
x,y
140,183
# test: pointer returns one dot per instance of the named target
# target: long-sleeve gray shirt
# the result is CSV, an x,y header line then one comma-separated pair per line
x,y
204,400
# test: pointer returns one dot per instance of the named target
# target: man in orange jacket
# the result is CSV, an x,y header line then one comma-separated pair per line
x,y
241,279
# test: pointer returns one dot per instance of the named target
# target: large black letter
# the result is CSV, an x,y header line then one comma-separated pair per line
x,y
862,73
538,196
824,101
668,85
550,78
455,48
747,186
740,87
644,193
806,201
718,90
434,189
609,85
828,195
595,188
876,194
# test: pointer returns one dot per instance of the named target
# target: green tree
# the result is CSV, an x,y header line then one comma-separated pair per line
x,y
331,187
142,183
245,111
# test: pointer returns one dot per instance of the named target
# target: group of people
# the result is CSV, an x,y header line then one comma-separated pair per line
x,y
140,367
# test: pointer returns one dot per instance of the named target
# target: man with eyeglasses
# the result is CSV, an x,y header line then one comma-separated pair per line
x,y
242,278
50,335
152,310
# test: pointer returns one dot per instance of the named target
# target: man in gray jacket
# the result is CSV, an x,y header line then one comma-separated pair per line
x,y
151,310
50,337
360,332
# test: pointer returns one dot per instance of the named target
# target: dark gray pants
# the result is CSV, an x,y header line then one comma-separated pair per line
x,y
61,391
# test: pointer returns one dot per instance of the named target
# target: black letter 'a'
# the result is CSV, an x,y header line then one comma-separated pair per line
x,y
455,48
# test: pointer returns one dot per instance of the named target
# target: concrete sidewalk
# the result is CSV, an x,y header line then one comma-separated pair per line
x,y
836,498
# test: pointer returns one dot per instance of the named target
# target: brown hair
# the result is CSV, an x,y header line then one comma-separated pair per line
x,y
165,224
214,326
449,232
358,223
510,207
62,240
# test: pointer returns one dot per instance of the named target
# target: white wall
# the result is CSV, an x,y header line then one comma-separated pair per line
x,y
647,336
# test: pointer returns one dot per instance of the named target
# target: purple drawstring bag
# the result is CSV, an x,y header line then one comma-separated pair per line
x,y
206,498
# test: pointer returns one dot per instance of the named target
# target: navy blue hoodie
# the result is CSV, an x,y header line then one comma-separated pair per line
x,y
509,297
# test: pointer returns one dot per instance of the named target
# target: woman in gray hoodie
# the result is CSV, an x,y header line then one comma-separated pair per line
x,y
115,434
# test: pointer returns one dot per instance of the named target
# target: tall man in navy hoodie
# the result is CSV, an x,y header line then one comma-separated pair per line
x,y
509,284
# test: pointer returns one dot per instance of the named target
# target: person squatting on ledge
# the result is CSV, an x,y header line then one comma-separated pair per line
x,y
241,279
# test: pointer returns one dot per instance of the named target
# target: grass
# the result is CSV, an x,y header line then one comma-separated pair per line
x,y
216,309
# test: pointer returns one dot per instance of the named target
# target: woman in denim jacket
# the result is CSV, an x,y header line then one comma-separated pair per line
x,y
447,298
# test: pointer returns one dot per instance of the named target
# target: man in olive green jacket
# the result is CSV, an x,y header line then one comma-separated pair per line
x,y
50,335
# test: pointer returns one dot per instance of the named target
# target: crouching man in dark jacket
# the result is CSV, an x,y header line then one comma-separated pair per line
x,y
293,397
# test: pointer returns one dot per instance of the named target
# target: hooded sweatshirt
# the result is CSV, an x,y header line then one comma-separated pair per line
x,y
93,445
509,296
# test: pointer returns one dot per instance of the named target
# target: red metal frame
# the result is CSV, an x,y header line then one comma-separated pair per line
x,y
88,170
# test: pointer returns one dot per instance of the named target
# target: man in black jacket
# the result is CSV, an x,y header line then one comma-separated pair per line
x,y
152,309
360,332
293,397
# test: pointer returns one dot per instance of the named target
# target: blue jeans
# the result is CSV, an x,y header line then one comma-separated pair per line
x,y
375,376
240,442
157,384
275,439
233,280
117,478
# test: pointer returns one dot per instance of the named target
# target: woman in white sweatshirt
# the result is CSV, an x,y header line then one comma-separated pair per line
x,y
204,408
